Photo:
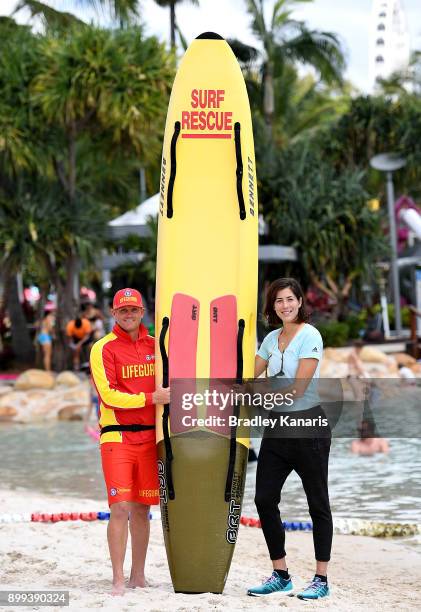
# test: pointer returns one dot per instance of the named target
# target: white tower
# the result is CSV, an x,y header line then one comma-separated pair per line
x,y
389,47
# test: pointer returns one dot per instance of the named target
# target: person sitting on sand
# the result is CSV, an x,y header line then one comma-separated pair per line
x,y
368,444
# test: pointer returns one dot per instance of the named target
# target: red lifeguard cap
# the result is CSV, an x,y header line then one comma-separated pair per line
x,y
127,297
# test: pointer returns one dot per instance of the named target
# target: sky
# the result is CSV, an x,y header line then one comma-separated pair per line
x,y
349,19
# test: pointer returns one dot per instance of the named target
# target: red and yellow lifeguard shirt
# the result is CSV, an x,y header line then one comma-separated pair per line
x,y
123,372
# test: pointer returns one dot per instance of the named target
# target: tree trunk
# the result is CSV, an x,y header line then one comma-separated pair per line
x,y
338,292
61,350
67,309
22,345
172,25
268,97
72,162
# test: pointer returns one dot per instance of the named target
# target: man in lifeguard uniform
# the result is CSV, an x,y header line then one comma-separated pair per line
x,y
123,371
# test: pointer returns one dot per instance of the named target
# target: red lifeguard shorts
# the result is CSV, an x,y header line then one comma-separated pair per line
x,y
131,472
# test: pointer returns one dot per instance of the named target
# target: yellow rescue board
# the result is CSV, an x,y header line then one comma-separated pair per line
x,y
207,250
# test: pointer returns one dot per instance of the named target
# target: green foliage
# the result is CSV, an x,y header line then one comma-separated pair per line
x,y
400,83
334,334
122,10
286,43
80,110
405,314
49,15
116,81
356,324
374,125
323,213
19,125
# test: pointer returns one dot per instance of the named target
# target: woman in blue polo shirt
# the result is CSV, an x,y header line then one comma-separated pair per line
x,y
293,352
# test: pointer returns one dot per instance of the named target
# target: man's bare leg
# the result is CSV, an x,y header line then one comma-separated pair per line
x,y
47,350
76,357
117,534
139,531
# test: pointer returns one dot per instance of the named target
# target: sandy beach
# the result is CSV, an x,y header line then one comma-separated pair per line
x,y
381,574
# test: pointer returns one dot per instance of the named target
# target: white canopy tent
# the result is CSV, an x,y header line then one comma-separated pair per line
x,y
135,222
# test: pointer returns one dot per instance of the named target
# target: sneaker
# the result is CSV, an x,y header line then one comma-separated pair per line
x,y
273,584
315,590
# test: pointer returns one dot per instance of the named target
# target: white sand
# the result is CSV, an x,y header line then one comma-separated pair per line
x,y
364,573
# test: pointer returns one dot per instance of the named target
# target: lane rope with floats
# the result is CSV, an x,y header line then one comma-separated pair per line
x,y
344,526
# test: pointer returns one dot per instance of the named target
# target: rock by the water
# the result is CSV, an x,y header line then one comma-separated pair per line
x,y
67,379
72,412
373,355
404,359
35,379
45,404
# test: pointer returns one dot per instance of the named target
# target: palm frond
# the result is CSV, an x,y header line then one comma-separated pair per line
x,y
282,10
319,49
258,24
125,11
245,54
50,16
169,2
182,38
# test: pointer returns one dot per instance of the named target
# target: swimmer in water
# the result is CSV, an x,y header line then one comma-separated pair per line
x,y
368,444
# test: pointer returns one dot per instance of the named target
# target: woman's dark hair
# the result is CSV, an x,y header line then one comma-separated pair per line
x,y
271,293
78,322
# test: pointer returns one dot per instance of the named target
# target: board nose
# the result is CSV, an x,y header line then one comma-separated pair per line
x,y
209,36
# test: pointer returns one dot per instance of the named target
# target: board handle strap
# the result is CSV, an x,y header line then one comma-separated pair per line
x,y
239,170
165,416
173,172
233,440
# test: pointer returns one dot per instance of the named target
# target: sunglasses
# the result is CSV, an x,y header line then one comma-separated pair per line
x,y
281,371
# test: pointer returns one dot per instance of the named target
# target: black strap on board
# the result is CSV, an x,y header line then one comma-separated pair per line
x,y
173,171
166,413
239,170
233,440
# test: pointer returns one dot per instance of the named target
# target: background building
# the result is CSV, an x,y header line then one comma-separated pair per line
x,y
389,45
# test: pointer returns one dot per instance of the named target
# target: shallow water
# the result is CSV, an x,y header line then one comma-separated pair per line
x,y
60,459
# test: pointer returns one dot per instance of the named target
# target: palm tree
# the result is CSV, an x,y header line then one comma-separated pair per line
x,y
303,105
15,237
18,60
77,111
324,214
286,41
173,22
122,10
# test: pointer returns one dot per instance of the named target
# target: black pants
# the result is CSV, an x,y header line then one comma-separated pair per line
x,y
309,457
